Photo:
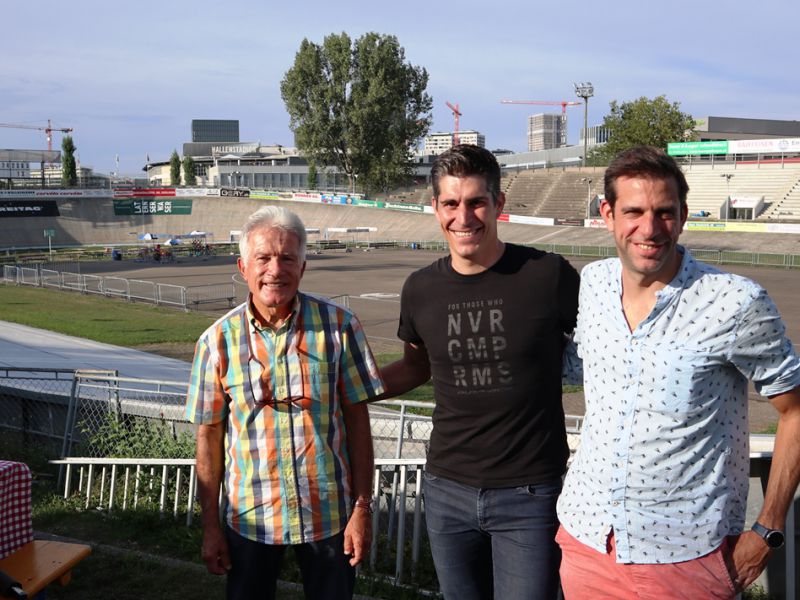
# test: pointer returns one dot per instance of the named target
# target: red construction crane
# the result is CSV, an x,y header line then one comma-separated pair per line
x,y
456,114
562,103
48,130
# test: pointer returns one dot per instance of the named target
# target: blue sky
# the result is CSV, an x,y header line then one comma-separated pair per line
x,y
130,76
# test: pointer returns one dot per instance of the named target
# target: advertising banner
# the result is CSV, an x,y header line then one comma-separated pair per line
x,y
594,223
697,148
55,193
234,193
529,220
704,226
265,195
406,207
370,203
42,208
305,197
196,191
152,207
768,146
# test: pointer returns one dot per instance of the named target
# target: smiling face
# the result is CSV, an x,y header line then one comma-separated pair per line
x,y
273,269
646,221
468,215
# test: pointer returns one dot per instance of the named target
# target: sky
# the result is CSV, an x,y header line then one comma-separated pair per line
x,y
129,77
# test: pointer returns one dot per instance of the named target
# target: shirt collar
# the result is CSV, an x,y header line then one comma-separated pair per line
x,y
255,326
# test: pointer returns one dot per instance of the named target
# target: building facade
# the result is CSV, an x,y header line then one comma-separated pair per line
x,y
597,135
547,131
436,143
734,128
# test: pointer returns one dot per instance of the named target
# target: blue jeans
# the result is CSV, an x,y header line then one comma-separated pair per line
x,y
495,542
326,571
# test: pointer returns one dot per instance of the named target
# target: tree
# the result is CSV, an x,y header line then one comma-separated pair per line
x,y
653,122
174,168
312,176
358,106
69,170
189,177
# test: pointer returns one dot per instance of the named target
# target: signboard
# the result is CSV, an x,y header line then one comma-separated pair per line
x,y
697,148
407,207
48,233
769,146
106,193
234,193
152,207
16,208
144,193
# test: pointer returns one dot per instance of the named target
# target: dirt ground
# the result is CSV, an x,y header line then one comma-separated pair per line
x,y
373,281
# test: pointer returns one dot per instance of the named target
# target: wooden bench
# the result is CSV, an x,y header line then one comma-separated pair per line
x,y
39,563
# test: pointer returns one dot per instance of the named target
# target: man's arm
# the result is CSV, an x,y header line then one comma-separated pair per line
x,y
358,533
750,553
405,374
210,468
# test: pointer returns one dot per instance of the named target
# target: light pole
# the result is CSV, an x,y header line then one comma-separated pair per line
x,y
588,182
727,177
585,90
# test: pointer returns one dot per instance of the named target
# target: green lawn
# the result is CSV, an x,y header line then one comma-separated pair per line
x,y
100,319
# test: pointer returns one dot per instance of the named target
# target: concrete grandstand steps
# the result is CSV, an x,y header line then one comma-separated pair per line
x,y
709,186
787,206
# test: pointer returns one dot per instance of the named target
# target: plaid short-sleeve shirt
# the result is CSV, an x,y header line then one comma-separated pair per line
x,y
287,470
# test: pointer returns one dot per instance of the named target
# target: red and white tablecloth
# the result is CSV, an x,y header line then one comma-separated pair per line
x,y
16,528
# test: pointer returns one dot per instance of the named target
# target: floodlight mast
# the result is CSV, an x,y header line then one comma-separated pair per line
x,y
585,90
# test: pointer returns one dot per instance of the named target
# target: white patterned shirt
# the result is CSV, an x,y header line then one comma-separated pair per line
x,y
664,458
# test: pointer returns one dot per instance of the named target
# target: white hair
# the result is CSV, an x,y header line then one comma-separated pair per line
x,y
273,217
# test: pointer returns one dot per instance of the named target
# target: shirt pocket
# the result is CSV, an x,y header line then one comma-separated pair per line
x,y
318,381
674,380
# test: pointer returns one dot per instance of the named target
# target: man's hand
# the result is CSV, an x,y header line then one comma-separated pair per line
x,y
358,535
215,551
750,554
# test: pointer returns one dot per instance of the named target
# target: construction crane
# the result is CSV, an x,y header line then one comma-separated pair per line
x,y
562,103
48,130
456,115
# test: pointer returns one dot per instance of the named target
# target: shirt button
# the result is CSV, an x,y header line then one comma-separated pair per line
x,y
615,503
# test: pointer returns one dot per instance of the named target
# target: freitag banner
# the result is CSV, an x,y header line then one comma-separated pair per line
x,y
41,208
135,206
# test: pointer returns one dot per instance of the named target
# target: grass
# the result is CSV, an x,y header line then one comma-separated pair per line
x,y
100,319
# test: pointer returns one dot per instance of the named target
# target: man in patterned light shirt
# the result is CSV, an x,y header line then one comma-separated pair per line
x,y
654,503
278,388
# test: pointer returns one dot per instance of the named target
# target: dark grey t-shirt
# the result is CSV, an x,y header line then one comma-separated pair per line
x,y
495,342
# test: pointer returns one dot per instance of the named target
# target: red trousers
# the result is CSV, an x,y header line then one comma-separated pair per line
x,y
587,574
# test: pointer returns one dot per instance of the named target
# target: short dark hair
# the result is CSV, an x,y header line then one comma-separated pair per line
x,y
465,160
643,161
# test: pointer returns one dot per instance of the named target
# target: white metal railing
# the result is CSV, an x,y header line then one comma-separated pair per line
x,y
171,484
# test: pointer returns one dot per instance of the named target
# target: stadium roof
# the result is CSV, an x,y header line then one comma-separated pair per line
x,y
47,156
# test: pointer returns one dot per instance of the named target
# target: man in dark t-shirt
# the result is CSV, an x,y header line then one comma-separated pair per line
x,y
487,323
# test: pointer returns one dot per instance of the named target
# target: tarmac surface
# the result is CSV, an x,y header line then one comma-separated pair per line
x,y
372,281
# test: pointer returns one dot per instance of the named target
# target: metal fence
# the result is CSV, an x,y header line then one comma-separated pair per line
x,y
123,443
132,290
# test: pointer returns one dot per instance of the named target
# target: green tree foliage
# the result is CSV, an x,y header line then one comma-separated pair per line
x,y
174,168
653,122
189,177
312,176
69,169
358,106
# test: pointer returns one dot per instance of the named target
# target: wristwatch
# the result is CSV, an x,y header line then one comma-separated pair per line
x,y
365,503
773,537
